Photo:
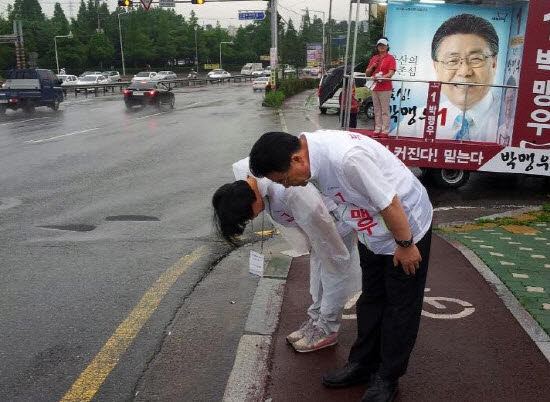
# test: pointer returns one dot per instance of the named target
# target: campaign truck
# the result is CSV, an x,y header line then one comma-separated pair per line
x,y
252,69
29,88
471,91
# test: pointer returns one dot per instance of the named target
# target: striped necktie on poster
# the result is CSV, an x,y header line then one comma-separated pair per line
x,y
463,133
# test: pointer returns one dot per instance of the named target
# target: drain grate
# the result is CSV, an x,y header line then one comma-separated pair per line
x,y
71,228
135,218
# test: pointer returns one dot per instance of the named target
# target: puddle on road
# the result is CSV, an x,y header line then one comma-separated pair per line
x,y
70,228
135,218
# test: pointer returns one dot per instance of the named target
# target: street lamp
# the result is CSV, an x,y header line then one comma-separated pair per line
x,y
322,12
69,36
229,43
196,49
120,38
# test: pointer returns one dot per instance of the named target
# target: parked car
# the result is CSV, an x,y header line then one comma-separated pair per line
x,y
362,95
85,73
145,76
267,71
166,75
143,93
218,73
28,88
311,71
112,76
91,81
260,84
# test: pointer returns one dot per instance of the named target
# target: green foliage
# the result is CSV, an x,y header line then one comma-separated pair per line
x,y
159,37
287,88
274,98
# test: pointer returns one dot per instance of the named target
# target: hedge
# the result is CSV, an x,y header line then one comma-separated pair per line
x,y
287,88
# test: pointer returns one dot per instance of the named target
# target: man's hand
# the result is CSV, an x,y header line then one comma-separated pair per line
x,y
408,257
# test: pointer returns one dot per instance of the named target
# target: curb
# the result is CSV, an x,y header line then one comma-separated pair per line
x,y
506,214
250,373
528,323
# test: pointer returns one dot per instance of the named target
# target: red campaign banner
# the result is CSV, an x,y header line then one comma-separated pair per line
x,y
446,154
532,121
432,110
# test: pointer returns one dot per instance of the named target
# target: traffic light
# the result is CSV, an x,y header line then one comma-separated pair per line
x,y
197,1
125,3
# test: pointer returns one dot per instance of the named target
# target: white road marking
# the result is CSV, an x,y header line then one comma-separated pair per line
x,y
496,254
524,276
478,241
150,115
23,121
505,238
514,242
546,306
506,263
485,246
537,256
469,237
534,289
541,238
546,265
61,136
526,248
450,208
283,121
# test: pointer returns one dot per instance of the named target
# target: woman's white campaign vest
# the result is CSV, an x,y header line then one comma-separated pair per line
x,y
328,151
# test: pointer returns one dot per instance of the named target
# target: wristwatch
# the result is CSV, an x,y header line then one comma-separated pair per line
x,y
405,243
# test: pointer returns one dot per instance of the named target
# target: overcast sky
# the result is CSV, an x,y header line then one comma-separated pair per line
x,y
226,13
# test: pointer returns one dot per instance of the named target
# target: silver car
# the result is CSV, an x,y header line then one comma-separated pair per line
x,y
166,75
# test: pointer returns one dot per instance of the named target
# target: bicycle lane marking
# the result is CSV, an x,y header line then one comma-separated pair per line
x,y
91,379
434,301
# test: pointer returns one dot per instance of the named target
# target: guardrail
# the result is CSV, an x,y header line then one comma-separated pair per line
x,y
181,82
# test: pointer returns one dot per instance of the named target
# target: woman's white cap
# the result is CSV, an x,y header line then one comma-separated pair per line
x,y
382,41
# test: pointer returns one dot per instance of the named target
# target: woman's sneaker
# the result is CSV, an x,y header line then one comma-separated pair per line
x,y
316,338
300,333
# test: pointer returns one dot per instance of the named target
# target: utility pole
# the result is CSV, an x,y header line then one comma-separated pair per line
x,y
330,34
273,53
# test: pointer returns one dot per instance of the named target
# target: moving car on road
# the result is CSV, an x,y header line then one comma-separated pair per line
x,y
112,76
27,88
85,73
90,81
145,76
166,75
252,68
67,79
218,73
260,84
143,93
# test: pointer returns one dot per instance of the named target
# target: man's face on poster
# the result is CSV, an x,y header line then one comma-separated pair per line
x,y
465,58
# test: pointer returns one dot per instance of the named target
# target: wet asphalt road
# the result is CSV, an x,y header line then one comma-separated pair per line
x,y
64,292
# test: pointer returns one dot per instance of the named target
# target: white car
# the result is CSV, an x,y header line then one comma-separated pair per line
x,y
68,80
85,73
260,84
218,73
267,71
90,80
258,73
166,75
145,76
112,76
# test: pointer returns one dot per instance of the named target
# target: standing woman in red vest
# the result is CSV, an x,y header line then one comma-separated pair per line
x,y
382,65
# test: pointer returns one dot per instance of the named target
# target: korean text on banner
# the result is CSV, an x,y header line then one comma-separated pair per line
x,y
432,109
532,122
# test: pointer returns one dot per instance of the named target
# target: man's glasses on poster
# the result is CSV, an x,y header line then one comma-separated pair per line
x,y
475,60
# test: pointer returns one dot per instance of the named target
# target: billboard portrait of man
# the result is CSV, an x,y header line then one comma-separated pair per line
x,y
450,44
465,50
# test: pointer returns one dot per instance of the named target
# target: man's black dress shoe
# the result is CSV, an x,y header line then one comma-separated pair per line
x,y
351,374
380,390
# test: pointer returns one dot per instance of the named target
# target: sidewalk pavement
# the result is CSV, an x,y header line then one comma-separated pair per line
x,y
476,343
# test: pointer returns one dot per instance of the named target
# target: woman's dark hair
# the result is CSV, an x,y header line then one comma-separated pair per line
x,y
466,24
232,204
272,153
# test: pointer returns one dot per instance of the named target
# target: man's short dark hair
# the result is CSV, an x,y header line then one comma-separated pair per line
x,y
232,204
272,153
466,24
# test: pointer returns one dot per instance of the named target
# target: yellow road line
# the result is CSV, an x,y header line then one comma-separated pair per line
x,y
87,385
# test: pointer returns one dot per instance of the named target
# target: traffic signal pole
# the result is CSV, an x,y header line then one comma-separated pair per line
x,y
273,54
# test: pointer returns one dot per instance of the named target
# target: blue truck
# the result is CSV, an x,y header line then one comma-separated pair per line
x,y
27,88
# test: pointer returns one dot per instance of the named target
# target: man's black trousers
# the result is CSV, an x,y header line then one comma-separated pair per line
x,y
388,311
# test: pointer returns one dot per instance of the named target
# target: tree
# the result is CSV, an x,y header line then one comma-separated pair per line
x,y
59,21
100,50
